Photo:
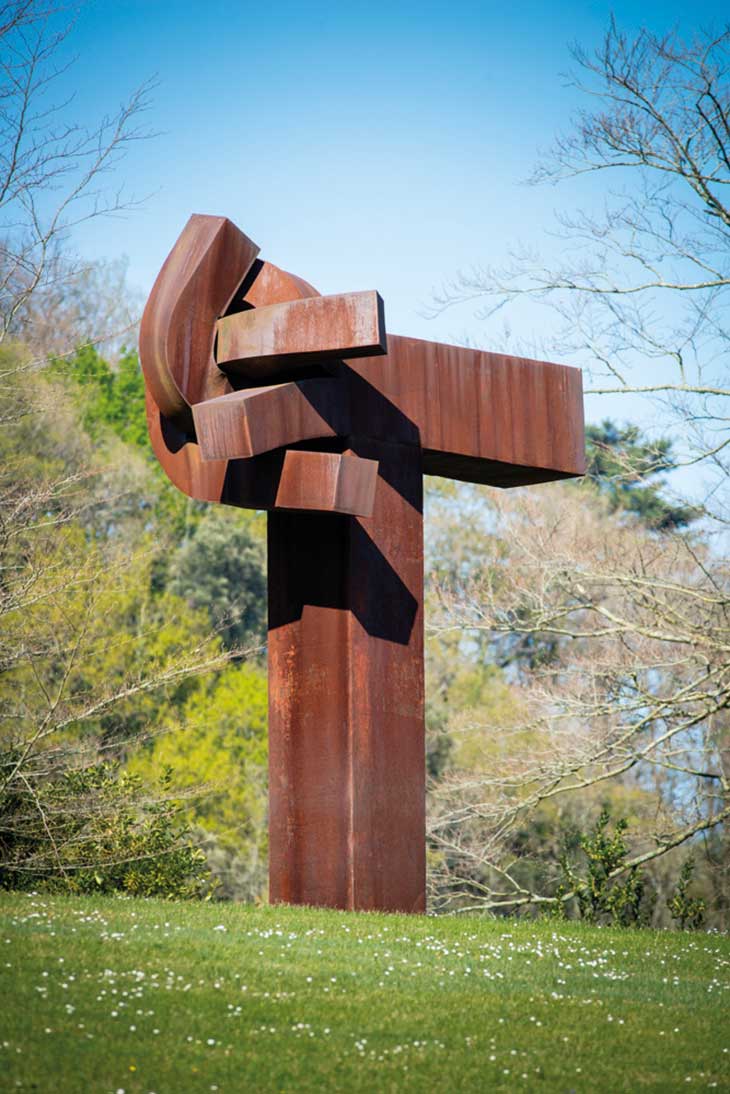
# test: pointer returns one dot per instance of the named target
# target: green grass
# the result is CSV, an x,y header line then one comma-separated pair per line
x,y
98,994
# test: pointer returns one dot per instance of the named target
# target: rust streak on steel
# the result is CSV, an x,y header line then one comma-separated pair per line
x,y
346,716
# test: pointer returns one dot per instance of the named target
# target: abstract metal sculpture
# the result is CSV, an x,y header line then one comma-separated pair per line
x,y
263,394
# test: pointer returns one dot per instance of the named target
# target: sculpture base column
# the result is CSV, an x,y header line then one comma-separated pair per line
x,y
346,709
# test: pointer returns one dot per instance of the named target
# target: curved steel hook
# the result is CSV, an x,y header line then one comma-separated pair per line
x,y
194,287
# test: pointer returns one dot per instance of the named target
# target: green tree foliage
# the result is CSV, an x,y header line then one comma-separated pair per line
x,y
98,653
108,398
87,640
686,910
219,752
625,466
129,419
220,568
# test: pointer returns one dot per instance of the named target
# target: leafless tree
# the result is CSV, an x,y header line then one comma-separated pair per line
x,y
632,700
54,172
633,697
641,288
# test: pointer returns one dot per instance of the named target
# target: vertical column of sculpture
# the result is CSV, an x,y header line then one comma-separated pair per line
x,y
346,723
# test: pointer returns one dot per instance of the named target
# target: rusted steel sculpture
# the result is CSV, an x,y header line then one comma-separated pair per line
x,y
263,394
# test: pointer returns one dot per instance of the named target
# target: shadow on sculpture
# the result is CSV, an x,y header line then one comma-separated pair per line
x,y
330,548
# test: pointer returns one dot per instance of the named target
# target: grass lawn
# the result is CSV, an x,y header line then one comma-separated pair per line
x,y
109,995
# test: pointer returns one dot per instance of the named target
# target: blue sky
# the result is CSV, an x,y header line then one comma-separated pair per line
x,y
362,145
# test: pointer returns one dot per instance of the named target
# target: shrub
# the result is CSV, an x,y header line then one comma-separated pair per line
x,y
603,892
688,911
99,829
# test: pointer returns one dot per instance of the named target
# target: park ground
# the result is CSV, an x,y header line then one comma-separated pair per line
x,y
111,995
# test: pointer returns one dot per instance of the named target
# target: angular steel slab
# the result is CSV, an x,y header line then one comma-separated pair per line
x,y
258,343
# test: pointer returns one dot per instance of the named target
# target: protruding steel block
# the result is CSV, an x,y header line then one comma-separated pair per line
x,y
260,419
328,482
258,343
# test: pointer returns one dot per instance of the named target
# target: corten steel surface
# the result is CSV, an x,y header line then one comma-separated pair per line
x,y
327,481
261,393
256,343
260,419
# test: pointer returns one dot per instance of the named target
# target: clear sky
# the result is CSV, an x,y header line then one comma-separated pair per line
x,y
362,145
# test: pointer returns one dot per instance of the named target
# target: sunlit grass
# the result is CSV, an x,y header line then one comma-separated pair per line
x,y
126,995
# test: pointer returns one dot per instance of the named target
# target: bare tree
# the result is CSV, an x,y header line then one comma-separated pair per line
x,y
615,636
53,171
634,692
641,287
86,645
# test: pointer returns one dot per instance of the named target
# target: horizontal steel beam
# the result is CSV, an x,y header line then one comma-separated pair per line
x,y
477,416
